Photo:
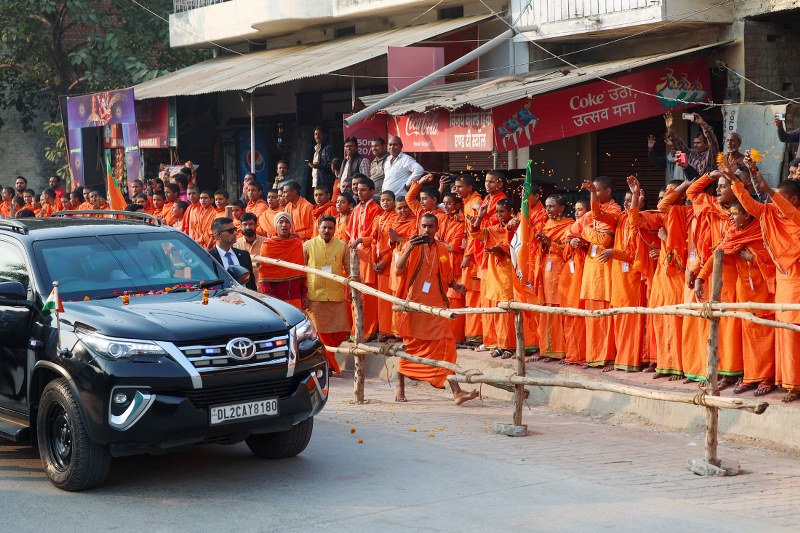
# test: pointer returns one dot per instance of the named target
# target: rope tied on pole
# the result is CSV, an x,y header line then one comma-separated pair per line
x,y
707,311
700,398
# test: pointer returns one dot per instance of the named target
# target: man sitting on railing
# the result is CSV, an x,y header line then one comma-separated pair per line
x,y
426,275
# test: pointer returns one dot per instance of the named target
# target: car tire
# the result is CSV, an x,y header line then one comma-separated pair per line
x,y
71,460
283,444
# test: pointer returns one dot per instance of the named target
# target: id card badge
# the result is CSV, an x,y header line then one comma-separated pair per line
x,y
626,267
572,267
693,255
426,287
328,269
594,250
548,266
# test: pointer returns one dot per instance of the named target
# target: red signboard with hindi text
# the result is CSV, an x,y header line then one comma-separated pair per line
x,y
600,105
466,129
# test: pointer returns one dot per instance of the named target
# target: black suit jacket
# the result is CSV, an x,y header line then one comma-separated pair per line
x,y
244,260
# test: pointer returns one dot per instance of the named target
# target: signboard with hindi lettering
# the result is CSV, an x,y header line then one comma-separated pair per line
x,y
600,105
466,129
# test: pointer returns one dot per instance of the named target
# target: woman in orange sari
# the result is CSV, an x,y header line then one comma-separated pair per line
x,y
280,282
547,269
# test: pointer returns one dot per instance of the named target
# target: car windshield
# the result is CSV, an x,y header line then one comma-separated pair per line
x,y
109,265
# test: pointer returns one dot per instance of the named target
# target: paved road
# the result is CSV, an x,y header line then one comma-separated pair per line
x,y
424,465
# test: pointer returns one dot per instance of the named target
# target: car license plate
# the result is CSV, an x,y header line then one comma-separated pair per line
x,y
238,411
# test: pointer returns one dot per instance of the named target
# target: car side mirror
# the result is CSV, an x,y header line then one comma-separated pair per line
x,y
237,271
13,290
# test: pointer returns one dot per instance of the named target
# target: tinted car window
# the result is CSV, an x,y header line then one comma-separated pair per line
x,y
107,265
12,264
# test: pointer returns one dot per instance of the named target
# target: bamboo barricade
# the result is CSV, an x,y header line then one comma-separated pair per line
x,y
712,310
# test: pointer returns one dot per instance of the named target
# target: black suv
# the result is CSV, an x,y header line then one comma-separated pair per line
x,y
157,349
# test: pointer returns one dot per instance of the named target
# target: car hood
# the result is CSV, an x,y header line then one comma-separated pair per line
x,y
183,317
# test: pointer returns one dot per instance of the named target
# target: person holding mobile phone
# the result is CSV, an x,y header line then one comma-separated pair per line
x,y
702,156
787,137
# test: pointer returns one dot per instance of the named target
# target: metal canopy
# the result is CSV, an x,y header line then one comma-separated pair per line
x,y
486,93
271,67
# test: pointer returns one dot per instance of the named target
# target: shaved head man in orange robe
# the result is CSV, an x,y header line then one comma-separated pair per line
x,y
470,201
597,230
402,228
426,275
780,228
549,264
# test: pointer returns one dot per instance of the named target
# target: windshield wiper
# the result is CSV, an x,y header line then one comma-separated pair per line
x,y
201,285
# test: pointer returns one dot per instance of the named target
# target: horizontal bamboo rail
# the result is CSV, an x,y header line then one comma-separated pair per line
x,y
366,289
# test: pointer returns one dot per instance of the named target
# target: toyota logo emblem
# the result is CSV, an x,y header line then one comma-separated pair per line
x,y
241,348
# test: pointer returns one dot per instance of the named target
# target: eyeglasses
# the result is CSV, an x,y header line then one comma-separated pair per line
x,y
228,230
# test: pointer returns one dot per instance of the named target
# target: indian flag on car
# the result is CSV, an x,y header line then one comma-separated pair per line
x,y
53,302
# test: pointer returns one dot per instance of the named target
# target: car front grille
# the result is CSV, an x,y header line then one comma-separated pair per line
x,y
227,394
212,355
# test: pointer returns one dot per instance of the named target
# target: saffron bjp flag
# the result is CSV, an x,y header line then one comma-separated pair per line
x,y
53,302
115,198
524,230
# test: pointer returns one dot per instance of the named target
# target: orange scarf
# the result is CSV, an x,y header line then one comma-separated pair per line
x,y
556,231
735,240
320,210
290,250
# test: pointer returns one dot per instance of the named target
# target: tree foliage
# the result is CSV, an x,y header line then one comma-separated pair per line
x,y
52,48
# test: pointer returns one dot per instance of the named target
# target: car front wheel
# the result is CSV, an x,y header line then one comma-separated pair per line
x,y
71,460
283,444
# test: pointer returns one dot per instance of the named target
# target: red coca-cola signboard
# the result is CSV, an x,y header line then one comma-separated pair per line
x,y
464,130
600,105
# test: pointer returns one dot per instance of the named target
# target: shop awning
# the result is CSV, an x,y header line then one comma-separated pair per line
x,y
271,67
488,93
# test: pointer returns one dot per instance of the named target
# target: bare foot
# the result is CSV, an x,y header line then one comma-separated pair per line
x,y
532,359
650,368
659,376
790,397
462,397
608,368
687,380
675,377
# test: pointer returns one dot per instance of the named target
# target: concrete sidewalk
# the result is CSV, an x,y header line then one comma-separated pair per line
x,y
778,427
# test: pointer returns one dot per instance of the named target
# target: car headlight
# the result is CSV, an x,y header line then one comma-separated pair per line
x,y
304,331
114,349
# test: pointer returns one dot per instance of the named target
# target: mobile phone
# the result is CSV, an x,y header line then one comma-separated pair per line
x,y
426,239
688,116
681,158
781,116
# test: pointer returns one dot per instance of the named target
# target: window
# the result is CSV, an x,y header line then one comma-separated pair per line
x,y
12,264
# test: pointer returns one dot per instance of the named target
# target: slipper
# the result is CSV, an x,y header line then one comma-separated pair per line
x,y
743,387
497,352
763,389
507,355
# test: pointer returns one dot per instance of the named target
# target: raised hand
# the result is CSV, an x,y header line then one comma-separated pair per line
x,y
651,142
668,120
589,186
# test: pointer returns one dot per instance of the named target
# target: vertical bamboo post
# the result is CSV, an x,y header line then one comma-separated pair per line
x,y
358,319
519,393
712,413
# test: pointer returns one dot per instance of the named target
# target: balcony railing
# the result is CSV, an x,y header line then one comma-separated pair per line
x,y
179,6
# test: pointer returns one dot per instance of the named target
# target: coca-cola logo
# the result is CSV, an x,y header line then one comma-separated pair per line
x,y
426,124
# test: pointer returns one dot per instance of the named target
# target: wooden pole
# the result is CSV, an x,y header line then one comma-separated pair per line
x,y
519,394
712,388
358,318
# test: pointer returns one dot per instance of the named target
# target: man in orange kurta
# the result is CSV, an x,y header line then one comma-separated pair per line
x,y
402,228
300,209
426,275
344,206
255,203
743,245
48,201
361,230
498,334
597,231
5,204
323,206
382,262
266,224
626,288
280,282
200,219
780,228
470,201
546,270
423,199
569,288
493,183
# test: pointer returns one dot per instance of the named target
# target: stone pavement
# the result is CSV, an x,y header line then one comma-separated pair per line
x,y
647,462
779,426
